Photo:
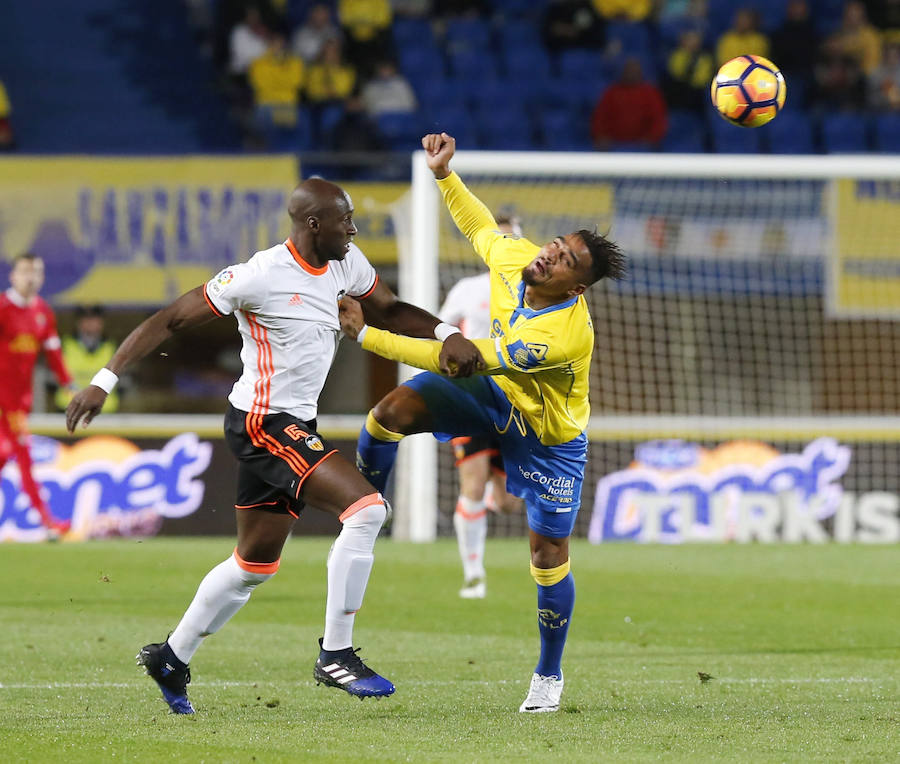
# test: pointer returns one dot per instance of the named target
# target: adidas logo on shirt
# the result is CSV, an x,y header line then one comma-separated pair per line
x,y
295,300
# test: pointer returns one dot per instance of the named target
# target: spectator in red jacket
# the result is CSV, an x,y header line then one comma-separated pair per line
x,y
630,111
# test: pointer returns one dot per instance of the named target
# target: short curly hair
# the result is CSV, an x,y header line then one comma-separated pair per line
x,y
607,260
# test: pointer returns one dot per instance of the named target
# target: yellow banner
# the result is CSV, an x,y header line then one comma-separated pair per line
x,y
864,273
376,205
140,231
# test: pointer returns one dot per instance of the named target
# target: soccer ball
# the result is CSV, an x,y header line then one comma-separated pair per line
x,y
748,91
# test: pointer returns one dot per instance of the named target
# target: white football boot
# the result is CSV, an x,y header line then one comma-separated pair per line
x,y
543,695
475,589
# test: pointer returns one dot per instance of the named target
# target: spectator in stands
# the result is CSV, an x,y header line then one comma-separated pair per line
x,y
318,29
249,41
743,37
356,132
857,39
7,139
388,91
572,24
884,14
794,42
330,78
367,27
884,82
276,78
228,14
688,73
630,111
85,352
626,10
839,81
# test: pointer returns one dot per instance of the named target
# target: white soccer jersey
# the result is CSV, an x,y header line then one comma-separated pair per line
x,y
468,306
287,314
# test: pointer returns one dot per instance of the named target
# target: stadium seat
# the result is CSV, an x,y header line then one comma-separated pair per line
x,y
505,129
791,132
730,139
412,33
581,64
455,120
421,62
634,38
578,96
472,62
467,34
518,7
887,133
278,138
526,61
516,33
433,93
844,134
401,131
498,93
685,133
562,133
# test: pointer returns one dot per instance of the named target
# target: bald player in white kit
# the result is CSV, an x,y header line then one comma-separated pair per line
x,y
285,300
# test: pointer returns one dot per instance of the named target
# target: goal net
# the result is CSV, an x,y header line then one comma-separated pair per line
x,y
744,380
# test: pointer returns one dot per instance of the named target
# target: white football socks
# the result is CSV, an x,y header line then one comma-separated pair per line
x,y
349,565
224,591
470,523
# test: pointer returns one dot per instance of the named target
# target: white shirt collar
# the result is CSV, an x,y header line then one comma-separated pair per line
x,y
16,299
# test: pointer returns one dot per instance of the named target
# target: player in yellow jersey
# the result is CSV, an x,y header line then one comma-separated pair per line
x,y
532,393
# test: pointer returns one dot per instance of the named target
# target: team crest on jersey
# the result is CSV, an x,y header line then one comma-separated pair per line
x,y
314,443
527,356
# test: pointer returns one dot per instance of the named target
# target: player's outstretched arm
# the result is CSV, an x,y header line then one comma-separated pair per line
x,y
384,310
191,309
470,214
430,355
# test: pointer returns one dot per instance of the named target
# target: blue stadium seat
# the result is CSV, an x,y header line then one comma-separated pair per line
x,y
844,134
581,64
278,138
498,93
887,133
578,96
400,130
518,6
456,120
467,33
515,33
434,93
526,61
421,62
791,132
415,33
634,38
731,139
686,133
560,132
473,62
505,129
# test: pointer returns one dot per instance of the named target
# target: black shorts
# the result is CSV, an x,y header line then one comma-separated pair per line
x,y
276,453
469,446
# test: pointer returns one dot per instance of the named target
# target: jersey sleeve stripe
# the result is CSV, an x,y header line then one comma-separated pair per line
x,y
498,347
368,291
209,302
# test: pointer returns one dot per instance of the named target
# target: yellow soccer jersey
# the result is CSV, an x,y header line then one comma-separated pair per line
x,y
541,357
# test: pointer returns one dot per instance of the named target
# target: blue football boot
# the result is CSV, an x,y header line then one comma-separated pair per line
x,y
345,670
172,681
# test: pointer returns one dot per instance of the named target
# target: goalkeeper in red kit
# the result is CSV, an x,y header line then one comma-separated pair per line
x,y
27,327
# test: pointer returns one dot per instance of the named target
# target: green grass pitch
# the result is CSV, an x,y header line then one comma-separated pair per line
x,y
802,642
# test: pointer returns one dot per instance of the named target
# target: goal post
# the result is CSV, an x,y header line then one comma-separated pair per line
x,y
762,301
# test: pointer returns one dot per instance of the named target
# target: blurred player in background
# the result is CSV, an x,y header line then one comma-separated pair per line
x,y
482,478
286,302
27,327
542,340
84,352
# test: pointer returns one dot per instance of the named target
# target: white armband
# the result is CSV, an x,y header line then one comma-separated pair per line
x,y
105,380
442,331
362,333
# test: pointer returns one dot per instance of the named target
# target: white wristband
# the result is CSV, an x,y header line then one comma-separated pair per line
x,y
105,380
442,331
362,333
